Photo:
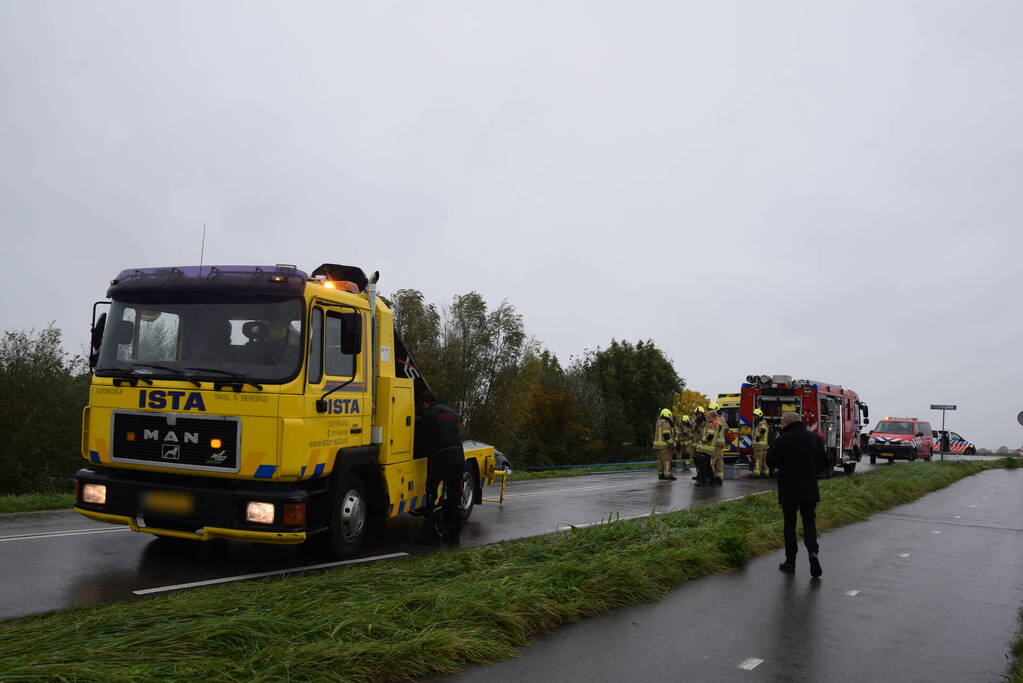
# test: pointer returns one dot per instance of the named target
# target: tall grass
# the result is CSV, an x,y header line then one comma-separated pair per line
x,y
28,502
430,614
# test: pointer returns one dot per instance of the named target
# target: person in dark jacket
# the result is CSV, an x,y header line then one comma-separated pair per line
x,y
437,431
798,455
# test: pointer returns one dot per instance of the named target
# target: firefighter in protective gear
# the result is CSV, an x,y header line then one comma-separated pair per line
x,y
685,441
699,420
664,442
717,461
760,432
705,446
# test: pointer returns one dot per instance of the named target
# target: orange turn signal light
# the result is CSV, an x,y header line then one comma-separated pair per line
x,y
294,514
130,436
215,443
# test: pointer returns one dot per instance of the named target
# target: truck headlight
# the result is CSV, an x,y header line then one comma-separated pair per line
x,y
95,494
260,513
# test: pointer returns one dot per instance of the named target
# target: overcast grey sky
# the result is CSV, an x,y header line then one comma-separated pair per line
x,y
804,188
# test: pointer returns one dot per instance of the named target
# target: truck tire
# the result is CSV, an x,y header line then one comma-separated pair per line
x,y
349,516
468,490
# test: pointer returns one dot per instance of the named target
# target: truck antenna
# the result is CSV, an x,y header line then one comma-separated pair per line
x,y
202,248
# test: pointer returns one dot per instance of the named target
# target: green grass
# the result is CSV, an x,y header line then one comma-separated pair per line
x,y
29,502
433,614
1016,669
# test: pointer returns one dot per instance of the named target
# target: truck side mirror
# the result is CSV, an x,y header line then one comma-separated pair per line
x,y
96,339
124,332
866,420
351,333
97,331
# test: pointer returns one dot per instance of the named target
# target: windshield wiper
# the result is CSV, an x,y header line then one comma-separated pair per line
x,y
176,372
129,376
229,373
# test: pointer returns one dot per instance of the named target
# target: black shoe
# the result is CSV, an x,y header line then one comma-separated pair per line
x,y
788,566
672,477
764,476
815,566
661,477
717,480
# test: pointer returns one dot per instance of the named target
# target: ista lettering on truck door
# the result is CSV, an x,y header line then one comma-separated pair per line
x,y
343,406
160,399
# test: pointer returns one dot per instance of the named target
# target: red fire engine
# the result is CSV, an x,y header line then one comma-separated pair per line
x,y
834,413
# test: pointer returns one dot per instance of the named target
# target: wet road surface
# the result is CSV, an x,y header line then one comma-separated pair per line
x,y
59,559
928,591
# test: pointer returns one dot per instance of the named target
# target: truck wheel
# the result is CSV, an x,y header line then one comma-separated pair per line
x,y
849,467
912,456
348,516
468,490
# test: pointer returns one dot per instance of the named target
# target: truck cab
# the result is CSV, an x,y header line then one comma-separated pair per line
x,y
254,403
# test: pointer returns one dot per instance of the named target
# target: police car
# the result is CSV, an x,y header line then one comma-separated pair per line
x,y
956,443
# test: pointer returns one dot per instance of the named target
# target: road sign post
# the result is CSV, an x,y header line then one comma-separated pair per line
x,y
943,407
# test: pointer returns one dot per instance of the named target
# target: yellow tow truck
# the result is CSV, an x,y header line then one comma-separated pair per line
x,y
254,403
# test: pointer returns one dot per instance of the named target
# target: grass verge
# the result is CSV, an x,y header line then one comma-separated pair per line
x,y
29,502
431,614
1016,669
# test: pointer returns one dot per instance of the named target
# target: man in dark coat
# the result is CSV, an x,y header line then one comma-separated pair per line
x,y
437,431
798,455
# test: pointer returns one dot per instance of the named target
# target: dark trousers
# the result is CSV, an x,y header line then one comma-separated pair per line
x,y
808,511
451,475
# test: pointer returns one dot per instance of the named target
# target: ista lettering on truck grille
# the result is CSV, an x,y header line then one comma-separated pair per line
x,y
829,410
254,403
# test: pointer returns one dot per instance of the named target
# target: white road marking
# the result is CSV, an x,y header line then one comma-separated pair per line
x,y
903,554
565,526
959,516
750,664
58,534
279,572
852,594
973,506
935,532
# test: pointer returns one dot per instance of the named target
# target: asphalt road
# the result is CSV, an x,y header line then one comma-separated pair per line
x,y
928,591
58,559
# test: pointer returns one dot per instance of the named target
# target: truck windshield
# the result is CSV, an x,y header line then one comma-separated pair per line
x,y
893,427
167,336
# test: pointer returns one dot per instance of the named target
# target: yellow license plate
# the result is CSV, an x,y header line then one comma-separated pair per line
x,y
887,455
173,503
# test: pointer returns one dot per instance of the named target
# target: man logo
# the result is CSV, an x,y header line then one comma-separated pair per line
x,y
171,451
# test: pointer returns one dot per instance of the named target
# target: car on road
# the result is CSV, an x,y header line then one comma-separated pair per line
x,y
501,462
905,438
956,443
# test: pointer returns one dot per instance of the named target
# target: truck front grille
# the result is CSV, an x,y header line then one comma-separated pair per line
x,y
174,440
